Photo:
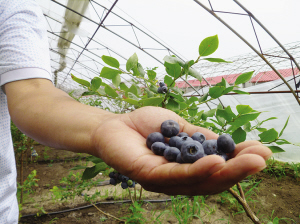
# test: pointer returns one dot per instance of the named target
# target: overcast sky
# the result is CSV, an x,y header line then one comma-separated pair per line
x,y
182,24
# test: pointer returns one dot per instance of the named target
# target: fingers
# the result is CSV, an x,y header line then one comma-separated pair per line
x,y
232,172
252,147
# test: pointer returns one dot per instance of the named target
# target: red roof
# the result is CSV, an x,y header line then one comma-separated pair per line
x,y
260,77
271,75
212,80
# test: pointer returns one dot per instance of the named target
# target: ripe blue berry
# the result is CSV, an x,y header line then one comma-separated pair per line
x,y
160,90
124,185
171,153
183,139
179,159
223,155
154,137
191,151
225,143
164,89
158,148
210,146
169,128
198,137
161,84
182,134
173,140
113,181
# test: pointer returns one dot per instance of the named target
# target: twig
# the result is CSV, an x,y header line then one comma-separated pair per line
x,y
134,192
243,202
130,195
107,213
141,193
241,191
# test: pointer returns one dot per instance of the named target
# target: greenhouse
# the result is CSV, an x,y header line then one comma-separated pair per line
x,y
157,112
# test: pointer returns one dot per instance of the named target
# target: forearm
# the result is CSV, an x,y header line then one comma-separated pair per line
x,y
52,117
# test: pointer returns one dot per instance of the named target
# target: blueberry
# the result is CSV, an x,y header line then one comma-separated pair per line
x,y
154,137
171,153
169,128
124,185
111,174
158,148
173,140
198,137
210,146
164,89
183,139
191,151
124,178
113,181
160,90
182,134
161,84
179,159
225,143
131,183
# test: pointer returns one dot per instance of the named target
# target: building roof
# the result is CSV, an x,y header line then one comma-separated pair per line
x,y
212,80
268,76
260,77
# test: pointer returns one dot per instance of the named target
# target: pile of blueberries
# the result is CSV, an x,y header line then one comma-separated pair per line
x,y
116,178
162,88
183,148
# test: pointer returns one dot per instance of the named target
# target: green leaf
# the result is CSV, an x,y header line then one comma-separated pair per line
x,y
173,105
89,93
209,113
247,127
149,93
94,159
245,77
269,135
116,80
239,135
261,129
110,91
240,92
109,73
140,70
193,110
243,109
96,83
270,118
178,97
111,61
216,91
132,101
153,101
203,98
219,60
132,62
191,100
176,90
80,81
133,96
123,86
194,73
133,89
275,149
91,172
151,74
78,167
209,45
227,114
245,118
168,80
173,60
282,142
182,105
287,121
173,70
153,88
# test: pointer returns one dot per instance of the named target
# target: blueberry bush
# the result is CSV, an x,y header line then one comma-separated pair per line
x,y
147,89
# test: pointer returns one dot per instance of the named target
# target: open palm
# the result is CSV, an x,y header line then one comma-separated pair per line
x,y
121,143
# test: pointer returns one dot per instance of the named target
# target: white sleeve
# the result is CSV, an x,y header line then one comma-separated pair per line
x,y
24,50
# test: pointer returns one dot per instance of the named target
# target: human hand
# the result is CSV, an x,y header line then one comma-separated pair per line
x,y
121,142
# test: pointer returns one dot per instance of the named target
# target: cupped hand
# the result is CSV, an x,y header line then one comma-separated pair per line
x,y
121,143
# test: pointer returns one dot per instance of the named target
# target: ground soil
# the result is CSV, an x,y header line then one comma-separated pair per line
x,y
273,197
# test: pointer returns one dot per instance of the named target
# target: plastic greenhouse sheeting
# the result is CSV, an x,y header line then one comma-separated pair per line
x,y
280,105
